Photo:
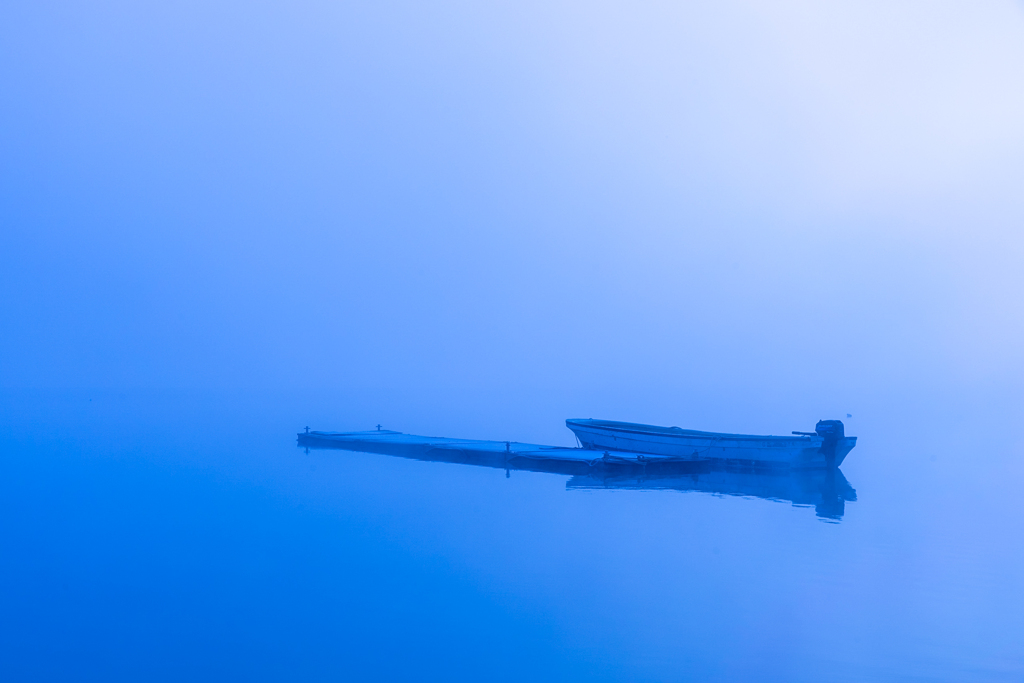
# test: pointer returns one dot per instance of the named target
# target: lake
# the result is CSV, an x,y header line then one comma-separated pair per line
x,y
161,535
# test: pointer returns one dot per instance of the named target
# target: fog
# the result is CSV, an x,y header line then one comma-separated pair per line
x,y
533,195
223,221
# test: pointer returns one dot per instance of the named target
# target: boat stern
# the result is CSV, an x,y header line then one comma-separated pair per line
x,y
836,444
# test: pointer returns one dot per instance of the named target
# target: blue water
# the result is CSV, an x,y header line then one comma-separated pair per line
x,y
184,535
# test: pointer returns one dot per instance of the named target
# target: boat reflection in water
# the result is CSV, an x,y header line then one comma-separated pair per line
x,y
826,489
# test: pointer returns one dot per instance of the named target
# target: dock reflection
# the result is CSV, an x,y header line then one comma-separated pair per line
x,y
827,491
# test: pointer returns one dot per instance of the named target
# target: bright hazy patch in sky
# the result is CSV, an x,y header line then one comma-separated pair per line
x,y
854,99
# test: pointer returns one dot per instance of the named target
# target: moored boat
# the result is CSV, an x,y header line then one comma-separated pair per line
x,y
827,491
827,446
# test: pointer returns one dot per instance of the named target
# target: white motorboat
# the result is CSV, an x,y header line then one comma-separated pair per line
x,y
827,446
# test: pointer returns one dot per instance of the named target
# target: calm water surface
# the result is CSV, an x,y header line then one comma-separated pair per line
x,y
160,536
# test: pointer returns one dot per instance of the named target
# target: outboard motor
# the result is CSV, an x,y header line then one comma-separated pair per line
x,y
832,432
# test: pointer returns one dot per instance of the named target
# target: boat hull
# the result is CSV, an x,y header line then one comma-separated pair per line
x,y
673,442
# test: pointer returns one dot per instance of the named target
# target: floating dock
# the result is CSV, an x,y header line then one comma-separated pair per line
x,y
502,454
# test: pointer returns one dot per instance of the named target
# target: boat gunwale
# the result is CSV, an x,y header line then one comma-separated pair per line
x,y
654,430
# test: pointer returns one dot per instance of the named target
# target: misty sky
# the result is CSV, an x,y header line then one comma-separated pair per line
x,y
518,196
